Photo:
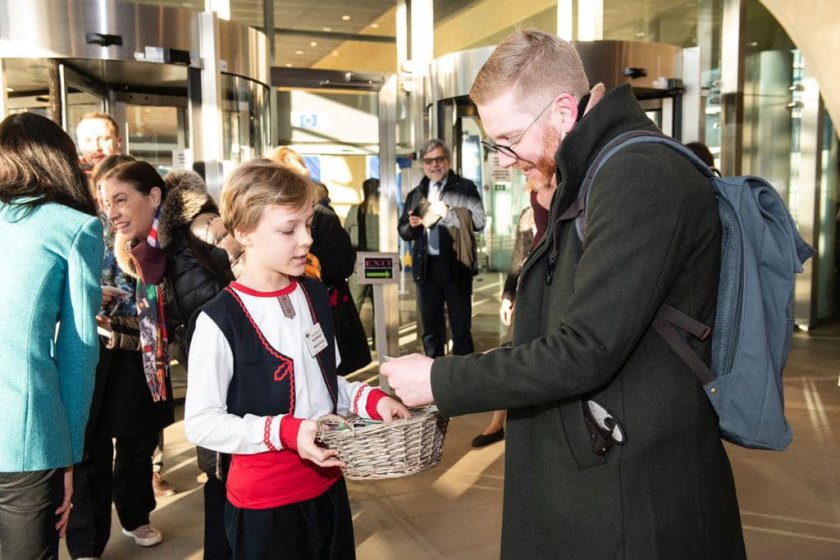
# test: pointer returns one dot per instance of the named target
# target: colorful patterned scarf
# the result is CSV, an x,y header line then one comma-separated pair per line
x,y
149,259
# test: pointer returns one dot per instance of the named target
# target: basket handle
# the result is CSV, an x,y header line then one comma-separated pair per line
x,y
327,419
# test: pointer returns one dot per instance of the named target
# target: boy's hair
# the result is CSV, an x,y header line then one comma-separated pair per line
x,y
290,159
258,184
538,65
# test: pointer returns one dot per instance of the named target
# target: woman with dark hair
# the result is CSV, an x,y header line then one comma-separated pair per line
x,y
52,246
136,393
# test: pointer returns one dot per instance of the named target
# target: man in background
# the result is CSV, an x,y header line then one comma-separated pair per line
x,y
439,218
98,136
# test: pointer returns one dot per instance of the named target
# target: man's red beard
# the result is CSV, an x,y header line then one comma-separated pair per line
x,y
545,165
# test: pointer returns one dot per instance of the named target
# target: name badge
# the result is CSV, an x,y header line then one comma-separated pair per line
x,y
315,340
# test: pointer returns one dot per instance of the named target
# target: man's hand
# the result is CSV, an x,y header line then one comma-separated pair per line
x,y
311,451
414,221
63,510
411,378
388,409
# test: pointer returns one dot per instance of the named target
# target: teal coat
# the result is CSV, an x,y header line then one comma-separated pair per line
x,y
583,328
48,342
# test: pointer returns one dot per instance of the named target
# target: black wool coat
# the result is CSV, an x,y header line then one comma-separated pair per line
x,y
583,328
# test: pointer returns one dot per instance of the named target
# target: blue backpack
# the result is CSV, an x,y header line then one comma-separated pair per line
x,y
761,251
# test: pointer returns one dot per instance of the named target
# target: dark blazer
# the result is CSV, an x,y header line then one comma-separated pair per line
x,y
583,328
457,192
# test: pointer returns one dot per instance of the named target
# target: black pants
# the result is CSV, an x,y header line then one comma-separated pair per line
x,y
125,478
317,529
28,501
216,545
439,289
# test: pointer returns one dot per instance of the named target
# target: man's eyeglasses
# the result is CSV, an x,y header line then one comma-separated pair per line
x,y
508,149
432,160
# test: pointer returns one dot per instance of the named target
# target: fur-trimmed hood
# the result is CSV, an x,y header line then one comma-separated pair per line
x,y
186,199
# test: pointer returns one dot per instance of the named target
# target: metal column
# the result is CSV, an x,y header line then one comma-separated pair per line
x,y
732,87
388,206
206,104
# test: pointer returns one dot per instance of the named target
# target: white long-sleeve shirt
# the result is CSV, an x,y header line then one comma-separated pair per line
x,y
206,418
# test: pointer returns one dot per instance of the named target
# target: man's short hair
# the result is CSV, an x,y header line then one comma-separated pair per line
x,y
434,144
113,127
539,66
258,184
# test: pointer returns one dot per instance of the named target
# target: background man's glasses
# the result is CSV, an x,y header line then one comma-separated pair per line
x,y
432,160
508,149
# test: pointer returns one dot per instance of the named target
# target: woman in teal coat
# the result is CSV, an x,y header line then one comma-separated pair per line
x,y
51,252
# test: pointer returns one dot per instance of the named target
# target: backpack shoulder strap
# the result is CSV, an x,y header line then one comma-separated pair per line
x,y
615,145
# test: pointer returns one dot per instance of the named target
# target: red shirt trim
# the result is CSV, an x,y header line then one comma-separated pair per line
x,y
256,293
373,399
289,428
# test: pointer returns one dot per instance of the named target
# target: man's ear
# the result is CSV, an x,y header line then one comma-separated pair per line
x,y
566,112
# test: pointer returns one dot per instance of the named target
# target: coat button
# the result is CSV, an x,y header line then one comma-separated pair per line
x,y
713,390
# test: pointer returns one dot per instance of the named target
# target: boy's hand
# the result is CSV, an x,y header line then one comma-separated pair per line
x,y
389,408
311,451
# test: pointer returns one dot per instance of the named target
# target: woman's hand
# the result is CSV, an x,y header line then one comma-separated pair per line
x,y
311,451
66,505
104,324
389,408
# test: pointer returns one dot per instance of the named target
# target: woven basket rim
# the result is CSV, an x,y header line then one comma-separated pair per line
x,y
400,448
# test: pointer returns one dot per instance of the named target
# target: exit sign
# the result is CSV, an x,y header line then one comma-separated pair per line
x,y
377,268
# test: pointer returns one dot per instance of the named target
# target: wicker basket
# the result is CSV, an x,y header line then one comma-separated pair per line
x,y
375,450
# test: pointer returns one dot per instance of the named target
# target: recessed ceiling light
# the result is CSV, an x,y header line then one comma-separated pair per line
x,y
374,26
345,18
288,65
313,43
328,29
10,89
335,53
298,52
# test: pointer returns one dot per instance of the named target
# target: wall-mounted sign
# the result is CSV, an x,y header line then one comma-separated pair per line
x,y
377,268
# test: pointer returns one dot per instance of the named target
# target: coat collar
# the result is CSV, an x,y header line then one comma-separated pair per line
x,y
452,179
616,113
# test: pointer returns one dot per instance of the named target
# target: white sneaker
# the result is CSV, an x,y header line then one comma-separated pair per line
x,y
144,535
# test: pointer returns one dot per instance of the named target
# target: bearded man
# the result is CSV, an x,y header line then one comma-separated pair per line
x,y
642,473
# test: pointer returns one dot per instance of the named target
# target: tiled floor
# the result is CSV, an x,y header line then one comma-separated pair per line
x,y
790,501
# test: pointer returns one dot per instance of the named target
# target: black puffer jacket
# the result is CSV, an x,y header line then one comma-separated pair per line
x,y
197,268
